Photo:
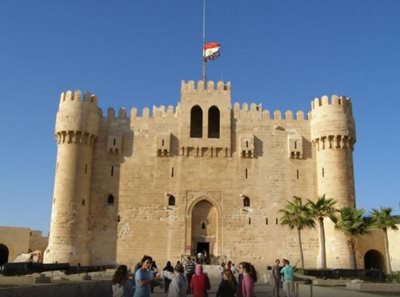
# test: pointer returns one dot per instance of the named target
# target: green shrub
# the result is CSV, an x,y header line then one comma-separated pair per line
x,y
393,278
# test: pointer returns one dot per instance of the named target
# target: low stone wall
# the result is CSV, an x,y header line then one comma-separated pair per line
x,y
65,289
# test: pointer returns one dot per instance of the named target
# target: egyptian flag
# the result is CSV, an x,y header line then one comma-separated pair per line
x,y
211,51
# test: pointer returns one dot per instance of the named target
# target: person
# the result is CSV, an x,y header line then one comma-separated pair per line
x,y
249,278
221,269
288,278
239,282
153,270
227,286
189,270
167,281
276,278
178,286
200,282
143,278
122,285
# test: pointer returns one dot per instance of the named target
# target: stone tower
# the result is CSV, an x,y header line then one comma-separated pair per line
x,y
77,126
333,136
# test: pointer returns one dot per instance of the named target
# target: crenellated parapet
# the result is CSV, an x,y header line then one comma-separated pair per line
x,y
332,123
201,86
78,118
256,112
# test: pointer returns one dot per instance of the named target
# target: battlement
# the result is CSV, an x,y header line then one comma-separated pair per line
x,y
209,86
76,96
334,100
256,112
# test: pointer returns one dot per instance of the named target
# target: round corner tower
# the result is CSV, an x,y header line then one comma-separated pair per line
x,y
333,135
77,127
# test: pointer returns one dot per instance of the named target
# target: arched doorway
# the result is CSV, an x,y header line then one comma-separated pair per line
x,y
374,259
3,254
204,229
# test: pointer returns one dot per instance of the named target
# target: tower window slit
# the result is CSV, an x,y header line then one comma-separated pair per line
x,y
323,172
298,174
112,170
172,172
114,141
249,221
83,202
85,168
162,142
277,221
246,173
266,221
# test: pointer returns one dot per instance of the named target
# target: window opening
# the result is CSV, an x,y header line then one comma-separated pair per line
x,y
171,200
112,170
203,226
196,122
249,221
323,172
110,199
246,173
266,221
298,174
246,202
172,172
213,122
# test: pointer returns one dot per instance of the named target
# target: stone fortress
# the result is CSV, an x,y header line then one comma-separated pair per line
x,y
205,175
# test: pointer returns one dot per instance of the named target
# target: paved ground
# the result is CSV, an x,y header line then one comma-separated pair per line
x,y
264,290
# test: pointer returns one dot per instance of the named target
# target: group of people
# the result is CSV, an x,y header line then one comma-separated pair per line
x,y
285,273
179,283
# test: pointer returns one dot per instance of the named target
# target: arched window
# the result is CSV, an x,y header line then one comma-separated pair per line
x,y
246,201
110,199
171,200
196,122
213,122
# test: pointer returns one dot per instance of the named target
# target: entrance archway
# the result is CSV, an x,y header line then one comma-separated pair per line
x,y
3,254
203,227
374,259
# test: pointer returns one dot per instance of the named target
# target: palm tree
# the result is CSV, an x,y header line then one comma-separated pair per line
x,y
382,219
320,209
352,223
297,216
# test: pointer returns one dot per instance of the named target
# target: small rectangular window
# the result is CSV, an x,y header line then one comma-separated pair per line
x,y
266,221
85,168
246,173
277,221
112,170
83,202
323,172
298,175
249,221
172,172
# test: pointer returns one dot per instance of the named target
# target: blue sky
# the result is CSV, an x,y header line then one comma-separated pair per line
x,y
135,54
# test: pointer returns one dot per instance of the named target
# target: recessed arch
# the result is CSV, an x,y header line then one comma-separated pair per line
x,y
196,122
374,259
212,232
213,122
3,254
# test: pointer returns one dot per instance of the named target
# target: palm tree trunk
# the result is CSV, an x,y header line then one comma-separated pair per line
x,y
386,243
352,247
301,249
322,242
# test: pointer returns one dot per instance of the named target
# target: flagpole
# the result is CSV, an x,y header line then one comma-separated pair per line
x,y
204,40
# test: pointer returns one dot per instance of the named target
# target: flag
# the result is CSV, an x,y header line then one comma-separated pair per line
x,y
211,51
